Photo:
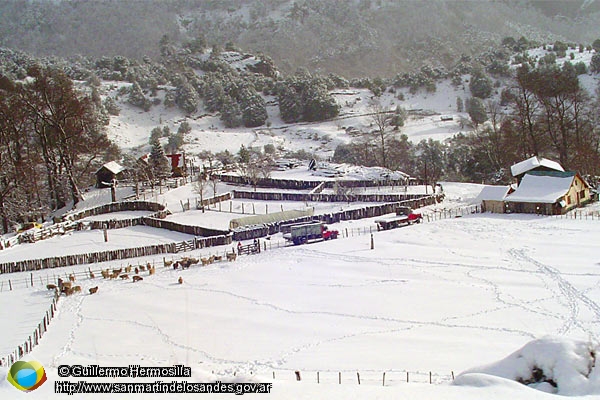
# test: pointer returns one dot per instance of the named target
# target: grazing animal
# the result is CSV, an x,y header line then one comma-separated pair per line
x,y
92,276
193,261
218,258
205,261
72,278
148,266
231,256
105,274
124,276
68,291
114,275
137,278
142,268
180,280
51,286
117,271
168,263
137,271
76,289
128,269
151,271
93,290
65,286
176,265
211,259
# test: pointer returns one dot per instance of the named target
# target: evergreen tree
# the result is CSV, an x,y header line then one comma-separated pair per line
x,y
254,109
480,85
158,161
476,110
230,113
187,98
137,98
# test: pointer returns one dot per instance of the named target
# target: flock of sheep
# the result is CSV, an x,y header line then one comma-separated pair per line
x,y
68,288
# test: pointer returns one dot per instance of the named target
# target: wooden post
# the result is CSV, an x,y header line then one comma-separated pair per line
x,y
430,377
340,377
253,210
10,284
298,377
266,208
318,379
372,242
273,374
358,377
230,205
406,376
105,235
383,379
32,279
452,374
242,208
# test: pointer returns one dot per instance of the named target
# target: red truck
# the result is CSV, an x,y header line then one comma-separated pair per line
x,y
413,217
307,232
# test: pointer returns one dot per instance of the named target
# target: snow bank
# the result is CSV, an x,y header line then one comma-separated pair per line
x,y
550,364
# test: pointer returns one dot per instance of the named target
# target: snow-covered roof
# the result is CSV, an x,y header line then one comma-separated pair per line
x,y
542,187
113,167
534,162
492,193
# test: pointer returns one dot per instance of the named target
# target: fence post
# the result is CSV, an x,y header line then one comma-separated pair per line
x,y
358,377
298,377
340,377
383,379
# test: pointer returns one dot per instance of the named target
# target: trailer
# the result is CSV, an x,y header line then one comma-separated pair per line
x,y
309,232
392,222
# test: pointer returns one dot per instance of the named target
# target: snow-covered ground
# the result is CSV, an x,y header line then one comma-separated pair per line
x,y
445,297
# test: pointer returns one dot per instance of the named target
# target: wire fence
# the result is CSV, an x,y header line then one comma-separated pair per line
x,y
34,338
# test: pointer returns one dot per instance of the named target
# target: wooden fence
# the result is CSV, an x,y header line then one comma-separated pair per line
x,y
326,198
111,255
136,205
33,339
305,185
257,231
177,227
213,200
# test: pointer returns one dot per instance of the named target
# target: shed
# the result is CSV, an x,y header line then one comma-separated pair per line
x,y
548,192
106,173
491,198
534,163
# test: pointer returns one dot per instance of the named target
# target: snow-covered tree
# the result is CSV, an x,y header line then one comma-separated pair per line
x,y
158,161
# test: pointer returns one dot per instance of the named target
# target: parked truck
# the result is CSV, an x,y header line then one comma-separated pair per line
x,y
413,217
307,232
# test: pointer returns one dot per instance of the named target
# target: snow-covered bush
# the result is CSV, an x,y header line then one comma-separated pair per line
x,y
551,364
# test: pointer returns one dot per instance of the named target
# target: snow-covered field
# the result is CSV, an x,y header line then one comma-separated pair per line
x,y
445,297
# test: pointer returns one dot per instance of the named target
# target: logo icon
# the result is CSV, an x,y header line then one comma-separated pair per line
x,y
26,375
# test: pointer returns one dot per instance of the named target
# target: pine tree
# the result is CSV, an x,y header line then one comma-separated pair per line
x,y
254,109
158,161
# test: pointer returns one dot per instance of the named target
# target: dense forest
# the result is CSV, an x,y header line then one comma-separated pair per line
x,y
349,38
53,119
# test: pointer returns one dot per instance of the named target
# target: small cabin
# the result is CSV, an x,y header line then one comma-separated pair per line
x,y
548,192
107,173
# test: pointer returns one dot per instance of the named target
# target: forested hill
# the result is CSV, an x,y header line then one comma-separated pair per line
x,y
349,38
